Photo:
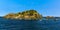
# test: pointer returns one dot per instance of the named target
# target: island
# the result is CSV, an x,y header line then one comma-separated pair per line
x,y
27,15
50,17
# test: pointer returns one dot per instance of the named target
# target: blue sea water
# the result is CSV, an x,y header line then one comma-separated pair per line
x,y
8,24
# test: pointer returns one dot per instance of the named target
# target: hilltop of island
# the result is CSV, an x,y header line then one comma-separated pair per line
x,y
28,15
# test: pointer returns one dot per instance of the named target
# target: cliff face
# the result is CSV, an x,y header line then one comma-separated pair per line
x,y
30,14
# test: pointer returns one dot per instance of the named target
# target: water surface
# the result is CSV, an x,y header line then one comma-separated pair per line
x,y
8,24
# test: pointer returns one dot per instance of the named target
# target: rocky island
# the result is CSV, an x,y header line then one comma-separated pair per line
x,y
50,17
27,15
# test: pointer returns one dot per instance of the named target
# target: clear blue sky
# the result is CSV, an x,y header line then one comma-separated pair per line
x,y
44,7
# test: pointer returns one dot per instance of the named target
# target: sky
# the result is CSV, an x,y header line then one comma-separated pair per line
x,y
44,7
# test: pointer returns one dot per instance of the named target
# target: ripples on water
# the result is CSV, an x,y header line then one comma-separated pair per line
x,y
50,24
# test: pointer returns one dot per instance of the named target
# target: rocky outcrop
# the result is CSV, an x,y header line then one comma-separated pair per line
x,y
29,14
49,17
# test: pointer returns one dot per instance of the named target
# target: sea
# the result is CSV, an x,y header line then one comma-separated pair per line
x,y
43,24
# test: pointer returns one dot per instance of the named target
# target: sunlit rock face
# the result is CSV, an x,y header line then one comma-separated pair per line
x,y
27,17
19,17
11,16
29,14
